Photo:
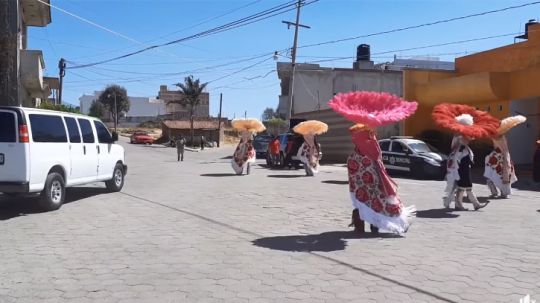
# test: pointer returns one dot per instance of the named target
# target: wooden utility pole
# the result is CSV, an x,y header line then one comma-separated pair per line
x,y
219,119
293,54
9,52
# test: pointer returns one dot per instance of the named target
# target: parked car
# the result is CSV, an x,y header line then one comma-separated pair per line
x,y
140,137
260,144
297,141
414,156
43,151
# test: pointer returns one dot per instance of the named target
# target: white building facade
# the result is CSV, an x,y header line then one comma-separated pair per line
x,y
140,108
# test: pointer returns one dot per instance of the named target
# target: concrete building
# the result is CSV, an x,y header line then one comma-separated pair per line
x,y
21,69
141,109
502,81
315,86
178,111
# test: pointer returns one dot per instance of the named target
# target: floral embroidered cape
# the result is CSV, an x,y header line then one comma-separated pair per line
x,y
244,153
364,183
496,167
371,199
309,155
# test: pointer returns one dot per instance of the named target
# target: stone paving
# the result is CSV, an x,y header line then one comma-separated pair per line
x,y
193,232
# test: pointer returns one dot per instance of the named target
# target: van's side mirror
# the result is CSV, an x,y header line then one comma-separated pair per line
x,y
114,137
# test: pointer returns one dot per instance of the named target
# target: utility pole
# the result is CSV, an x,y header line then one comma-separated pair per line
x,y
9,56
293,54
245,114
219,118
62,69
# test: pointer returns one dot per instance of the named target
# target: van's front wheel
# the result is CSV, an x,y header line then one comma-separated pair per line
x,y
117,182
54,193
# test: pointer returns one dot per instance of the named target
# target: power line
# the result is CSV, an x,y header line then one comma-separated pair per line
x,y
204,68
422,25
207,20
94,24
421,47
181,30
274,11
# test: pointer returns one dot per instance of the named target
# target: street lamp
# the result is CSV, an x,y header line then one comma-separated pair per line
x,y
115,110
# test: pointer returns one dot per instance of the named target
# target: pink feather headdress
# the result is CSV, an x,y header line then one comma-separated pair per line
x,y
372,108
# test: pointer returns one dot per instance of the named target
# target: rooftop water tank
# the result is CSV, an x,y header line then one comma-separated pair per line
x,y
363,53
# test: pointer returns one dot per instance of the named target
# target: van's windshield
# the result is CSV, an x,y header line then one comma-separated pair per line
x,y
8,130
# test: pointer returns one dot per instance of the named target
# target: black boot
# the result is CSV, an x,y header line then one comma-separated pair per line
x,y
374,229
357,222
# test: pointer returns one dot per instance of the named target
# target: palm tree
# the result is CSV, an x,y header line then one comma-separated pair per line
x,y
191,91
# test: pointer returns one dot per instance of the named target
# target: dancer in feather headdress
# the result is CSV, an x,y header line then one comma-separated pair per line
x,y
310,151
372,191
467,123
499,169
244,155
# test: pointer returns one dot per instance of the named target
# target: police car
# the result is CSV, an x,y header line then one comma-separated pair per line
x,y
406,154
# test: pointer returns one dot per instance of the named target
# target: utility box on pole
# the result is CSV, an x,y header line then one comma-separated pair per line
x,y
9,52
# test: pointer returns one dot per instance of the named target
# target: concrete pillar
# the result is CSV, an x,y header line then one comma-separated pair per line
x,y
9,52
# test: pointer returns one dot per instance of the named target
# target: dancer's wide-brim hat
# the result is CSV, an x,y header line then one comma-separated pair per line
x,y
509,123
372,109
250,124
311,127
465,120
360,127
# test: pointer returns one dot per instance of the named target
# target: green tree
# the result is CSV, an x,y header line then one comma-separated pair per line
x,y
115,100
276,126
191,91
96,109
268,114
59,107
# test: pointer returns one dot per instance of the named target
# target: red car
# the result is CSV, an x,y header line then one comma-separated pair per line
x,y
141,137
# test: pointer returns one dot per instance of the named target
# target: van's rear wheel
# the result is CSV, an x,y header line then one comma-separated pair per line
x,y
54,193
117,182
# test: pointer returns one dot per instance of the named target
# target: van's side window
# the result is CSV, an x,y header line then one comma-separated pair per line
x,y
87,132
47,128
8,131
73,130
102,132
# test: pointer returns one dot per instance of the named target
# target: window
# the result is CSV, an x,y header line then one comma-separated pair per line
x,y
86,130
384,145
398,147
73,130
8,130
102,132
46,128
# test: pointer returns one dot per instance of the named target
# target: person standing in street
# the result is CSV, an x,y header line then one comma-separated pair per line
x,y
536,163
202,142
274,151
180,145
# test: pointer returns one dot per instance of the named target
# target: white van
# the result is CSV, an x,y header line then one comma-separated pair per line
x,y
43,151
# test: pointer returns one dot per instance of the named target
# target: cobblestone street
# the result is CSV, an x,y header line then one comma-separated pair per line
x,y
194,232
